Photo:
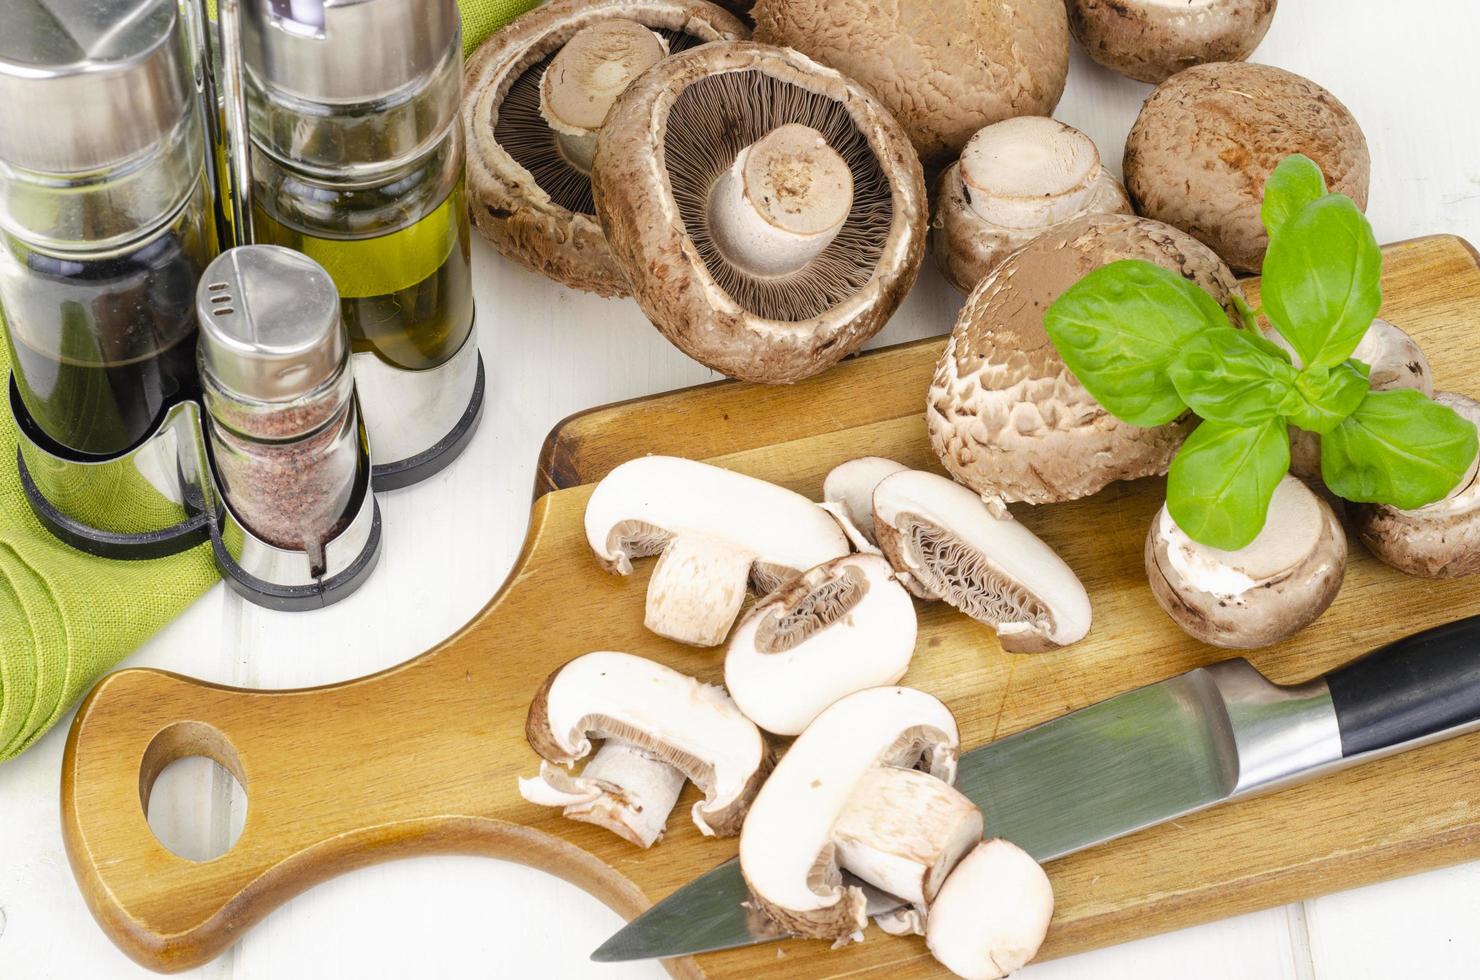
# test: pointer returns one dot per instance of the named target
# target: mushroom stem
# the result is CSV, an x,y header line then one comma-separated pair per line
x,y
1029,172
639,793
696,590
904,830
587,75
781,202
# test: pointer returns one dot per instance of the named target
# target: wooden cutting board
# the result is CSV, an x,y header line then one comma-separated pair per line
x,y
422,758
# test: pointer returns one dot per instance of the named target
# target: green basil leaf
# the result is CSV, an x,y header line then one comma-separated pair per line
x,y
1321,285
1119,327
1398,448
1230,376
1322,397
1296,182
1219,486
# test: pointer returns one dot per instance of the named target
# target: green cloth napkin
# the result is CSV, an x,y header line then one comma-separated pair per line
x,y
67,617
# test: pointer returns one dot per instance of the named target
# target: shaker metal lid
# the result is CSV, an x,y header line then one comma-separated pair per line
x,y
346,51
88,84
270,329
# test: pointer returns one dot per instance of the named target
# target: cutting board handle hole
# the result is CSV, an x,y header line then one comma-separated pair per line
x,y
190,769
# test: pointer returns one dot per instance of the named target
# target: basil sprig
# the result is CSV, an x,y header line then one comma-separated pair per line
x,y
1150,346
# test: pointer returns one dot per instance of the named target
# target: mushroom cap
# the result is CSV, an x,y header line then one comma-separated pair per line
x,y
1150,40
1006,416
544,221
681,124
991,914
945,68
848,494
946,540
1261,594
841,627
692,726
1441,540
1209,137
967,246
786,850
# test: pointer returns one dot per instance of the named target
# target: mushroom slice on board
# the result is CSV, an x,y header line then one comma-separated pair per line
x,y
715,530
769,213
841,627
531,131
1006,416
1208,138
790,851
992,914
1150,40
1261,594
1441,540
1014,181
946,543
660,727
848,495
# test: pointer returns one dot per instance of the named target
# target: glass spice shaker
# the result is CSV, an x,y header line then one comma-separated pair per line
x,y
279,396
106,218
357,161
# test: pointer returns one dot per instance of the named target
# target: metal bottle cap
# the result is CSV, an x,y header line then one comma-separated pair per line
x,y
270,329
88,84
346,51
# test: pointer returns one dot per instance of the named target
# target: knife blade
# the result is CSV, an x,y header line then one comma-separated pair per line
x,y
1141,758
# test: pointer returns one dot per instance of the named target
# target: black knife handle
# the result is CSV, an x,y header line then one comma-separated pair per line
x,y
1410,688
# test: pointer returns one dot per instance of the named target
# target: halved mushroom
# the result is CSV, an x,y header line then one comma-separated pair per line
x,y
1261,594
1014,181
848,495
1150,40
945,542
1441,540
715,530
768,212
1209,137
828,801
945,68
1006,416
843,626
531,131
992,914
660,728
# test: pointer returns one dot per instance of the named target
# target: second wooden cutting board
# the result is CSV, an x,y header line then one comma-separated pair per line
x,y
423,758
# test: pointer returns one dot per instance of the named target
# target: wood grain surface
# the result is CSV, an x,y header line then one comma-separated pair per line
x,y
422,758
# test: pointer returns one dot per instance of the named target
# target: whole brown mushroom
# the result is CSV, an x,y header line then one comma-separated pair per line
x,y
1209,137
945,68
1151,40
530,137
1006,416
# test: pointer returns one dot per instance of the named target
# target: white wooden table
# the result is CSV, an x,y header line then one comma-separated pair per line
x,y
448,544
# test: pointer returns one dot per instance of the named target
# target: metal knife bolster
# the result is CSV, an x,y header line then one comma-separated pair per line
x,y
1272,735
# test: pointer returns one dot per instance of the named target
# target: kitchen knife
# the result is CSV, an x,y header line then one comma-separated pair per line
x,y
1144,757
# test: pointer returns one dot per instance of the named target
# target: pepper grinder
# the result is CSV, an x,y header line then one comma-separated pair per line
x,y
357,161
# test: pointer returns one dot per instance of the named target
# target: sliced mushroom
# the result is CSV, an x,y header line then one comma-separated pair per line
x,y
1441,540
843,626
992,914
652,717
945,542
715,530
1261,594
531,132
768,212
788,849
1016,180
945,68
1209,137
1149,40
848,495
1006,416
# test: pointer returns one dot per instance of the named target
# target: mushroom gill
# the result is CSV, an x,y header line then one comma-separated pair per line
x,y
818,600
968,579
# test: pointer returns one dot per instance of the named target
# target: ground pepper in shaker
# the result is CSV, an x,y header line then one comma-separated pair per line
x,y
283,427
